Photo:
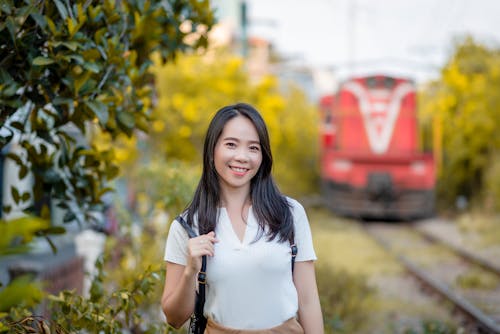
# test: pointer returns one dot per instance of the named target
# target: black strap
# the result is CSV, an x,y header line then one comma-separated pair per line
x,y
191,233
294,254
202,275
198,320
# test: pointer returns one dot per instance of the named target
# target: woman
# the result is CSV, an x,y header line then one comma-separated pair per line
x,y
246,227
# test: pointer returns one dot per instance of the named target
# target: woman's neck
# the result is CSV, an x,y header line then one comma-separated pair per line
x,y
235,199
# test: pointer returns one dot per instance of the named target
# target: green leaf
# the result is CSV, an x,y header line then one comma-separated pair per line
x,y
62,10
7,9
15,194
61,100
100,110
55,230
42,61
51,25
23,171
26,196
75,57
10,90
112,172
39,19
70,45
96,291
7,208
94,11
92,67
17,125
12,26
91,54
5,76
81,80
22,290
105,190
69,217
126,119
16,158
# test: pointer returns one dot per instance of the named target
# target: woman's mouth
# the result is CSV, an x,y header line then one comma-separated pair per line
x,y
239,169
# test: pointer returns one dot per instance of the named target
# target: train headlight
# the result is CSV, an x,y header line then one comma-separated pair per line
x,y
342,165
418,167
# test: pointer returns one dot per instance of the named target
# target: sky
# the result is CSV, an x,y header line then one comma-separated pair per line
x,y
413,38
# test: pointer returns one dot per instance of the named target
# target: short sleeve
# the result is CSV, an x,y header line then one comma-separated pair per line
x,y
303,236
176,245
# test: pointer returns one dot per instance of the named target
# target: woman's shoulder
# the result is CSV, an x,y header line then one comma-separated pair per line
x,y
293,202
295,205
179,222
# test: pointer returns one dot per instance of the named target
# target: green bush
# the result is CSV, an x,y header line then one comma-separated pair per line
x,y
345,299
125,293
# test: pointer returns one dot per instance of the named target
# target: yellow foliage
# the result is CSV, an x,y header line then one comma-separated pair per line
x,y
178,100
465,103
185,131
190,112
158,125
234,65
102,141
122,149
455,78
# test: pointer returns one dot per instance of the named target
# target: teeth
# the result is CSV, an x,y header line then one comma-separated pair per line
x,y
239,169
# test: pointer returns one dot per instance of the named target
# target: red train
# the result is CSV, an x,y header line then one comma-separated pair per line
x,y
371,164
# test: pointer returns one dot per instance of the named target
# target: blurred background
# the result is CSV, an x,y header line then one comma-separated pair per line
x,y
383,116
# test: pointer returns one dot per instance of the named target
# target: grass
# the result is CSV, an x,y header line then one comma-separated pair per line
x,y
341,243
485,227
356,269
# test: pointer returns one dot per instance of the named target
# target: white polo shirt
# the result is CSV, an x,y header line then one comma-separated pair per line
x,y
249,283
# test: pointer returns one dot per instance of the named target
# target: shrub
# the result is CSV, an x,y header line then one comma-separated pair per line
x,y
345,299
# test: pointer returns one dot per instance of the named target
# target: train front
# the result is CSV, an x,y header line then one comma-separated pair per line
x,y
371,162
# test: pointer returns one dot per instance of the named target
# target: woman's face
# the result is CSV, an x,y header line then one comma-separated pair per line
x,y
237,155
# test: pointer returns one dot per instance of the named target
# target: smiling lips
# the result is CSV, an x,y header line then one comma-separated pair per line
x,y
239,170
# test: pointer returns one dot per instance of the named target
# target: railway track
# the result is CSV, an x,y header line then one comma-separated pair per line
x,y
468,282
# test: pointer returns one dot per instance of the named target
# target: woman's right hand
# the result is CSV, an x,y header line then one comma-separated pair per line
x,y
197,247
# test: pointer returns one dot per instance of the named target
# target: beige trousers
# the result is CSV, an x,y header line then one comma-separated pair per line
x,y
291,326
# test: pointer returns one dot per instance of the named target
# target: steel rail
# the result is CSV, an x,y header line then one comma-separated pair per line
x,y
464,253
484,323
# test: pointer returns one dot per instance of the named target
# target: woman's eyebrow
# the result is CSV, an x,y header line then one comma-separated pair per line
x,y
238,140
230,138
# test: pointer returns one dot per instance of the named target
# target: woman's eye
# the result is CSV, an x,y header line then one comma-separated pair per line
x,y
254,148
231,145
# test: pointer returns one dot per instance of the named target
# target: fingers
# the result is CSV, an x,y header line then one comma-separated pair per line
x,y
210,237
199,246
202,245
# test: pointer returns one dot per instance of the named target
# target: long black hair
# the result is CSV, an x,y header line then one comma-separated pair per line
x,y
271,208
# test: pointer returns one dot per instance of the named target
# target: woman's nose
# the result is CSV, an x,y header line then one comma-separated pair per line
x,y
241,155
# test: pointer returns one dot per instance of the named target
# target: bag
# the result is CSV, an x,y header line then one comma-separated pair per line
x,y
198,322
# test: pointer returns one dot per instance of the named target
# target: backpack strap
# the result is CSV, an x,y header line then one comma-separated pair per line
x,y
198,321
191,233
202,275
295,249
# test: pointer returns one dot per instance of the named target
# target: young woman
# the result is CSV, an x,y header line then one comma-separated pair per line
x,y
246,228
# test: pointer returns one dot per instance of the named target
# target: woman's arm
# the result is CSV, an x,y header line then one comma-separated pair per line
x,y
180,281
310,316
178,294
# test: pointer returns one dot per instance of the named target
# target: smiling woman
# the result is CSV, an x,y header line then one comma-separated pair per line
x,y
250,233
